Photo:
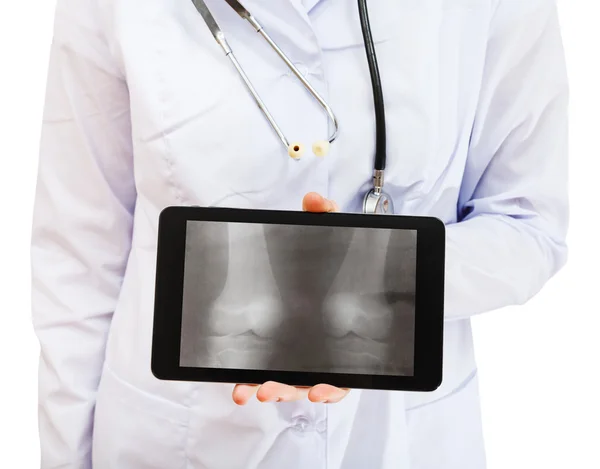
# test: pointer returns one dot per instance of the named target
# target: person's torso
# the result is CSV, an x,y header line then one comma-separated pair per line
x,y
200,139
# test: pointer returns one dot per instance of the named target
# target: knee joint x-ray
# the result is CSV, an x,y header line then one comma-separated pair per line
x,y
299,298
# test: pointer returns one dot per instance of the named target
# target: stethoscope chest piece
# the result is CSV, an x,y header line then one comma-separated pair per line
x,y
378,202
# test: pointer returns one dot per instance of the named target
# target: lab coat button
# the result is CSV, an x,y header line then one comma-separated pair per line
x,y
322,426
301,424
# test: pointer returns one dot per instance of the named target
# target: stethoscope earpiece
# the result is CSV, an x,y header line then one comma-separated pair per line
x,y
296,150
320,148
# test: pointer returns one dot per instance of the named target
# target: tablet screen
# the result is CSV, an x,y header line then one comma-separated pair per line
x,y
300,298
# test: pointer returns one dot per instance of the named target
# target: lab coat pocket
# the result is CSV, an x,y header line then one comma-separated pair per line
x,y
136,430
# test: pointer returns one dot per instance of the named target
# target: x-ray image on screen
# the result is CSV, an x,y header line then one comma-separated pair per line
x,y
299,298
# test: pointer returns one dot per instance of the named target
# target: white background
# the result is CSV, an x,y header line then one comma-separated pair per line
x,y
539,364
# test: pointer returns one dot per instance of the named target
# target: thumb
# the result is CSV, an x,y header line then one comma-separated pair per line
x,y
316,203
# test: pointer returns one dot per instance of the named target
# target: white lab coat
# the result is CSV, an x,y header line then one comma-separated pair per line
x,y
144,111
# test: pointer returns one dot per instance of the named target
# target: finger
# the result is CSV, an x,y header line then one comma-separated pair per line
x,y
242,393
278,392
327,394
316,203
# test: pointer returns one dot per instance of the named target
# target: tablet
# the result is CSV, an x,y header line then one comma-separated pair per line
x,y
250,296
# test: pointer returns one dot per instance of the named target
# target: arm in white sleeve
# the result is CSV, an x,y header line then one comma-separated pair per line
x,y
513,208
82,226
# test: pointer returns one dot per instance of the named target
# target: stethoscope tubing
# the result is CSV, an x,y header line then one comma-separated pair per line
x,y
376,201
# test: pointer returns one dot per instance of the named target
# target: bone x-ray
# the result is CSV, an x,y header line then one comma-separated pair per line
x,y
299,298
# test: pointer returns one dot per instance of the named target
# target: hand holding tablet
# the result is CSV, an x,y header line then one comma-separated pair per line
x,y
322,302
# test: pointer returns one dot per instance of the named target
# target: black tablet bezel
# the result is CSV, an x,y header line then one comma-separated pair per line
x,y
429,307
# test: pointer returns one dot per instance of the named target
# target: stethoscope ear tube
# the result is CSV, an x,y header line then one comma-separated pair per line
x,y
219,36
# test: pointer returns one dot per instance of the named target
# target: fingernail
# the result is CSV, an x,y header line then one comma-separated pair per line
x,y
275,399
324,401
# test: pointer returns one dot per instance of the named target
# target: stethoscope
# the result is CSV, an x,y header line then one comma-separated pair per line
x,y
376,201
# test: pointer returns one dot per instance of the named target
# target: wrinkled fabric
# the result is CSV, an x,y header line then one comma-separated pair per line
x,y
143,111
